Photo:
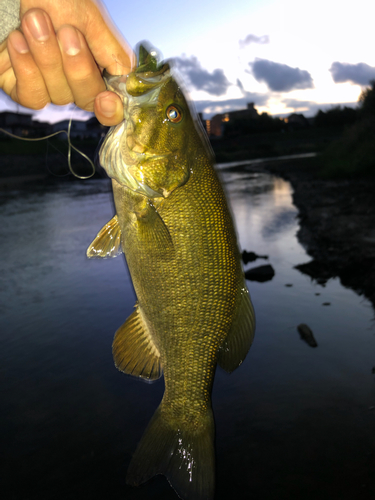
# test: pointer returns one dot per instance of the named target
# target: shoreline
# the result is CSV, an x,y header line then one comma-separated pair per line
x,y
336,216
337,225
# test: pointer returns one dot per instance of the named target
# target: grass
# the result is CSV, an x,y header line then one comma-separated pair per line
x,y
353,155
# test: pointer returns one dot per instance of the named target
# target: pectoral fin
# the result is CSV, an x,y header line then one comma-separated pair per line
x,y
107,242
153,231
134,351
240,337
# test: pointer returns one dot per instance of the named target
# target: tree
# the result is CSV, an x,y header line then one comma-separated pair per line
x,y
336,117
354,153
367,100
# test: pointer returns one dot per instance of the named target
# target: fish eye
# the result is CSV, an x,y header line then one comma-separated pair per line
x,y
173,114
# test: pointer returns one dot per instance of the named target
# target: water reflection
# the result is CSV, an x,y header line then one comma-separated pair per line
x,y
70,421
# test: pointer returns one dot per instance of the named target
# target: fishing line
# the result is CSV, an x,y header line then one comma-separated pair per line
x,y
70,147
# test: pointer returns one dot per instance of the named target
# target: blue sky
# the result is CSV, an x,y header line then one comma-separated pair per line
x,y
284,55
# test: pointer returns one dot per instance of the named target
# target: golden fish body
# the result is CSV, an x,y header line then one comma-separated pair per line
x,y
193,309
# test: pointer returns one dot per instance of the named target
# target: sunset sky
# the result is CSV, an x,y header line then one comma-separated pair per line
x,y
284,55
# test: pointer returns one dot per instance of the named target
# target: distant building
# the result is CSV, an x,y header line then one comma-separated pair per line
x,y
40,129
16,123
217,122
23,125
202,121
297,120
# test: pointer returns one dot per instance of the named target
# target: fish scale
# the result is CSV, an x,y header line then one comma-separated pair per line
x,y
193,309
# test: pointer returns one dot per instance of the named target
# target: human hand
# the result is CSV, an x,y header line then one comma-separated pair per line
x,y
40,66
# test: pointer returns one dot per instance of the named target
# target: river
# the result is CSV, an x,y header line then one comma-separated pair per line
x,y
292,422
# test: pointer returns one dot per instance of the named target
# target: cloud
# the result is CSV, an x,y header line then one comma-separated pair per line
x,y
299,106
310,108
214,83
239,85
54,114
360,73
49,113
307,108
245,93
279,222
210,108
280,77
254,39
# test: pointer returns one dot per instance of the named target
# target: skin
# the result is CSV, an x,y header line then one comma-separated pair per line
x,y
57,57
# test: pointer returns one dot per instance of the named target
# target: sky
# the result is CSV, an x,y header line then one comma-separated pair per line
x,y
284,55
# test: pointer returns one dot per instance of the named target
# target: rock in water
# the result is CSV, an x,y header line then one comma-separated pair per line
x,y
307,335
260,273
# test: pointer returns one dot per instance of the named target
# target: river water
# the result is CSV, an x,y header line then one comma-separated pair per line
x,y
292,422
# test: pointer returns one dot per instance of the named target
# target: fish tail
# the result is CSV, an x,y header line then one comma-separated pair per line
x,y
184,455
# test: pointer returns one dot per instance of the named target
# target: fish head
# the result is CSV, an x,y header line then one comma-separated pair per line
x,y
148,151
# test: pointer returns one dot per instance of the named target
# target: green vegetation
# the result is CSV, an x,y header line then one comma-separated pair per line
x,y
344,138
336,117
271,144
353,154
264,123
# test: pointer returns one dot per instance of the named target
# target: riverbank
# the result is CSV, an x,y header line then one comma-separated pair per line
x,y
337,217
337,224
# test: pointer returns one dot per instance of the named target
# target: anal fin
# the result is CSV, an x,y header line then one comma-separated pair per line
x,y
107,242
240,337
134,351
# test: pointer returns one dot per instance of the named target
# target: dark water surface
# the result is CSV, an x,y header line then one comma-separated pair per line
x,y
293,422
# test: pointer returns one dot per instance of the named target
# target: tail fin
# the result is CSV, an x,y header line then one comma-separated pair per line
x,y
186,457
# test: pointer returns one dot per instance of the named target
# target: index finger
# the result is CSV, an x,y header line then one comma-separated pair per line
x,y
110,50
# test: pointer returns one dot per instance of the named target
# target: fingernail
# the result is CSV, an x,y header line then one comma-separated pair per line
x,y
19,43
69,40
37,23
108,105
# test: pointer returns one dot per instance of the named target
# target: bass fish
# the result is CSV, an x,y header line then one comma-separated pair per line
x,y
193,309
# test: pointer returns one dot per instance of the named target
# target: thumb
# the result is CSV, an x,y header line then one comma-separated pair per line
x,y
108,108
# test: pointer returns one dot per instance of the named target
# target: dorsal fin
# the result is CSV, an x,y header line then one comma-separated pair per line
x,y
149,60
134,351
107,242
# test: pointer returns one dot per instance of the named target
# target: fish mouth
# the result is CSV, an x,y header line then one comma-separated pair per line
x,y
136,148
120,162
133,158
122,151
136,153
